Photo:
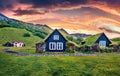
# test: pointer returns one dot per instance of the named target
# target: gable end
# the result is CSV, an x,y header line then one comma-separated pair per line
x,y
53,33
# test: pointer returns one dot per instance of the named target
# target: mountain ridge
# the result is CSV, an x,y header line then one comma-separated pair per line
x,y
4,18
80,35
42,27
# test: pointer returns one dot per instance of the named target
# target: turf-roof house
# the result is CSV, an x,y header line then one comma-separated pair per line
x,y
100,39
55,42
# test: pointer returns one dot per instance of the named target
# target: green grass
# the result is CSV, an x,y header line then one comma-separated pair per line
x,y
14,34
23,50
115,40
11,65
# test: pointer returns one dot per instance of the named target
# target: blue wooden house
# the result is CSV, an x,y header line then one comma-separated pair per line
x,y
55,42
101,39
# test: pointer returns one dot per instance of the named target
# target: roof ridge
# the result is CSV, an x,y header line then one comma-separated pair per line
x,y
52,33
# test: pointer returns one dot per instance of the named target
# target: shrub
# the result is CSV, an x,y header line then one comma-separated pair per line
x,y
70,50
77,48
107,50
26,35
41,35
76,40
84,49
2,24
70,47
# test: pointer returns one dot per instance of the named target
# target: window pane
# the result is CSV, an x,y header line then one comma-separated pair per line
x,y
59,46
56,37
102,43
52,46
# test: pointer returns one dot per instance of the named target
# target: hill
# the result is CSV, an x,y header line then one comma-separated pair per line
x,y
8,34
80,35
39,30
115,40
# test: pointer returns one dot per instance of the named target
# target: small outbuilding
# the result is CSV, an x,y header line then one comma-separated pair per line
x,y
8,44
18,44
101,39
40,47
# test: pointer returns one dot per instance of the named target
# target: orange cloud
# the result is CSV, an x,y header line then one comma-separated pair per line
x,y
94,15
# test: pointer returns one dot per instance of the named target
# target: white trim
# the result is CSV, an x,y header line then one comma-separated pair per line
x,y
52,46
59,46
55,46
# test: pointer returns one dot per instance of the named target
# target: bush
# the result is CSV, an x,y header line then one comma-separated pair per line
x,y
84,49
77,48
41,35
70,47
70,50
107,50
2,24
76,40
26,35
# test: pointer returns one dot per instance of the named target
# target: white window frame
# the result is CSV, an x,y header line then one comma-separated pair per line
x,y
55,46
59,46
56,37
102,43
52,45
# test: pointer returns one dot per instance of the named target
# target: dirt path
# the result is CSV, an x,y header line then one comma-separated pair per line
x,y
44,54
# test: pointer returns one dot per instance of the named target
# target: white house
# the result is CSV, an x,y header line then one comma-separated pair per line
x,y
18,44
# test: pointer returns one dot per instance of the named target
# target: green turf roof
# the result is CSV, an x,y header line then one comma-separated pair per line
x,y
91,39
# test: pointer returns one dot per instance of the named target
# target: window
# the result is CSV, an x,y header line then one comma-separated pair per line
x,y
52,46
56,37
59,46
102,43
55,46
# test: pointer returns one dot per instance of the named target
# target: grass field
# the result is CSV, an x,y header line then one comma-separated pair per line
x,y
8,34
11,65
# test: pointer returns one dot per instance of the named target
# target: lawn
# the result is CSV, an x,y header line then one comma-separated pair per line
x,y
8,34
11,65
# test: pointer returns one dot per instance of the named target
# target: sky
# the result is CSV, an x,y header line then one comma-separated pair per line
x,y
75,16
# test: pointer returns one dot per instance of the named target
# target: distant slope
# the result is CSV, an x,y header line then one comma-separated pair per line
x,y
39,30
8,34
44,27
80,35
115,40
13,22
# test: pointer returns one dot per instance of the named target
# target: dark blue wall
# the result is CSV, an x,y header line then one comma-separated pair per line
x,y
104,38
50,39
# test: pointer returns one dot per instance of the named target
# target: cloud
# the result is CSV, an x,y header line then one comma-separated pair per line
x,y
53,5
110,28
6,4
20,12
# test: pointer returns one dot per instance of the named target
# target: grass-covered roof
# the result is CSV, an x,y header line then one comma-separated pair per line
x,y
91,39
61,32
